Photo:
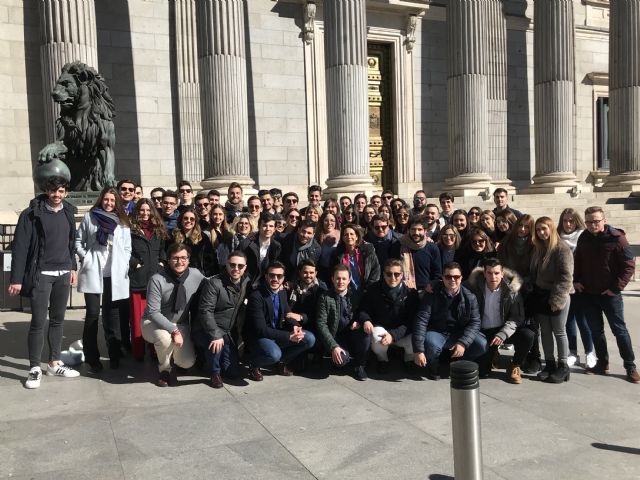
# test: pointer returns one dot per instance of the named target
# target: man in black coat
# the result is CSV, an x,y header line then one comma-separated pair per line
x,y
220,312
262,249
382,238
386,313
299,246
43,267
304,293
272,331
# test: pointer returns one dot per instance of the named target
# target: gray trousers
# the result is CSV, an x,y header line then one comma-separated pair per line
x,y
554,326
49,297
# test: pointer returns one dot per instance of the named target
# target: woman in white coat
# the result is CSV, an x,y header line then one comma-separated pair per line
x,y
103,243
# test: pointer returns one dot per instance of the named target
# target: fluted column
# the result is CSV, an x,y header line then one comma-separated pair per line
x,y
347,108
624,95
67,34
467,89
223,93
186,39
554,75
497,94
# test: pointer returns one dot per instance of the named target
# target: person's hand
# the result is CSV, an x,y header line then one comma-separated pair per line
x,y
457,350
420,359
216,345
367,327
428,288
386,339
294,316
429,239
177,338
14,289
73,278
355,326
496,341
578,286
608,292
297,335
336,355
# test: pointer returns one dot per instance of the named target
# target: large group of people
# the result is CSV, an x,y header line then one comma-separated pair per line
x,y
262,283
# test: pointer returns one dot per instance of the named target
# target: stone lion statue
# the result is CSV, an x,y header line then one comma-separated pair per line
x,y
85,131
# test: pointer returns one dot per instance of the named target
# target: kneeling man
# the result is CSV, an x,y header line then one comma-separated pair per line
x,y
166,319
448,319
272,331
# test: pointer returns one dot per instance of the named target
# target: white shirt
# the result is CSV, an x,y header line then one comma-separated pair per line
x,y
491,314
264,248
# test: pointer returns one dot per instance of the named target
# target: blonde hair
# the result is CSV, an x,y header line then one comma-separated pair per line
x,y
543,249
196,233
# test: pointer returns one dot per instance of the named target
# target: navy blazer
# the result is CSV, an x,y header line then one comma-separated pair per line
x,y
259,317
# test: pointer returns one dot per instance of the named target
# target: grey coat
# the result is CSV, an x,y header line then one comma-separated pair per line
x,y
90,273
159,308
556,276
218,301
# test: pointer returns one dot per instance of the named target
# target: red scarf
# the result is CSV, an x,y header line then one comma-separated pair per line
x,y
147,229
359,262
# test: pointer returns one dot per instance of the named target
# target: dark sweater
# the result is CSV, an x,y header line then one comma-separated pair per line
x,y
57,229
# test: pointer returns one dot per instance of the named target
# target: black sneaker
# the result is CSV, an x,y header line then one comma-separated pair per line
x,y
383,367
360,374
532,366
433,372
95,368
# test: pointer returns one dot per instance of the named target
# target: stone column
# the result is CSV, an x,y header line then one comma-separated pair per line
x,y
467,89
223,93
497,49
192,167
554,75
624,96
67,34
347,102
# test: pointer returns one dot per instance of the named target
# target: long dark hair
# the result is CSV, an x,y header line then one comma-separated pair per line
x,y
157,224
118,210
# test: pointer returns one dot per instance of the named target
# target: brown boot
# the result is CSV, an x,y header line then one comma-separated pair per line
x,y
216,381
514,374
632,375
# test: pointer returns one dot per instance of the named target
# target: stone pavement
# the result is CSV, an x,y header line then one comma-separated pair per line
x,y
122,426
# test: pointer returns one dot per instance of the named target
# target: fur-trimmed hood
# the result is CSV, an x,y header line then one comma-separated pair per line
x,y
511,279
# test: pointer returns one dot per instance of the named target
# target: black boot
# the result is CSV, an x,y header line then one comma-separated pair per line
x,y
549,368
561,373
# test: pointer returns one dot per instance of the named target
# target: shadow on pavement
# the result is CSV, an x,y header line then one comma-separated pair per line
x,y
616,448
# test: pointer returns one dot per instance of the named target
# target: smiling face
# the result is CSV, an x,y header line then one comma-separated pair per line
x,y
217,216
393,276
144,213
329,223
500,199
460,222
340,280
109,202
314,198
127,190
56,196
293,218
360,204
308,275
254,207
380,228
446,205
313,215
275,277
478,244
234,195
487,222
305,235
169,205
188,221
236,267
417,232
350,238
243,227
137,194
267,229
267,202
543,232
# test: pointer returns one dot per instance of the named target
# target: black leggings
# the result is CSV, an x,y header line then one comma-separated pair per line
x,y
110,323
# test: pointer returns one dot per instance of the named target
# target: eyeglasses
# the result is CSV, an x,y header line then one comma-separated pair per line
x,y
448,235
594,222
156,199
380,227
421,199
127,189
275,276
478,241
202,205
293,217
452,277
291,200
475,214
179,259
388,197
188,219
185,190
254,207
236,266
393,274
403,215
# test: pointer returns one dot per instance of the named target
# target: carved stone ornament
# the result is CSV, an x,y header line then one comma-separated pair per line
x,y
309,19
412,24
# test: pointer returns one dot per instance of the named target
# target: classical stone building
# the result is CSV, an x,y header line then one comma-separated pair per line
x,y
462,95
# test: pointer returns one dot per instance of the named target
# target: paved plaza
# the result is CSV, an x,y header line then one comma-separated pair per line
x,y
123,426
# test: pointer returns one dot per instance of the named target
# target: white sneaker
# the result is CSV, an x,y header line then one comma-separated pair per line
x,y
591,360
34,377
61,370
572,360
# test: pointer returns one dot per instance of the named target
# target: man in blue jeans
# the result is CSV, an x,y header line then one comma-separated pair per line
x,y
603,266
272,331
448,319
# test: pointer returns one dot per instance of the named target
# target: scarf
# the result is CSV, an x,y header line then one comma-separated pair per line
x,y
298,251
407,246
393,293
571,239
359,262
146,228
107,223
178,297
231,207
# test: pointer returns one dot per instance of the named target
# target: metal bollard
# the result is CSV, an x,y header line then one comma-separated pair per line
x,y
465,420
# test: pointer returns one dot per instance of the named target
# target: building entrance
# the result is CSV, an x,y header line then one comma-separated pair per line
x,y
381,145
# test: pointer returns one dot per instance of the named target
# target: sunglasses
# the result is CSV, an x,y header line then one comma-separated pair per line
x,y
387,197
236,266
475,214
291,200
404,215
380,227
420,198
293,217
448,235
202,205
478,242
275,276
156,199
393,274
185,190
254,207
188,219
127,189
452,277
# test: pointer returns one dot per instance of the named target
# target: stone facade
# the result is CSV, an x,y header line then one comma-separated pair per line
x,y
146,50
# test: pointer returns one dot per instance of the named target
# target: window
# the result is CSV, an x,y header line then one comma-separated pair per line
x,y
602,131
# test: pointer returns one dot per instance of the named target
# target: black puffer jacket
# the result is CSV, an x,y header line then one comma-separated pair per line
x,y
396,316
146,256
218,301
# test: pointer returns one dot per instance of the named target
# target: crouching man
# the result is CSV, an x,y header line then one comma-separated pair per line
x,y
501,315
386,313
166,319
221,311
272,331
448,319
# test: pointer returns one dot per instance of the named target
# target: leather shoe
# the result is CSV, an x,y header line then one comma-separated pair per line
x,y
285,371
360,374
164,379
216,380
255,374
632,375
601,368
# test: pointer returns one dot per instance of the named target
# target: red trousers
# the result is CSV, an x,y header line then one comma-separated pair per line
x,y
137,304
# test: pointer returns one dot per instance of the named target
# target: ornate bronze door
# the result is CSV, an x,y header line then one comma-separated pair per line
x,y
380,121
